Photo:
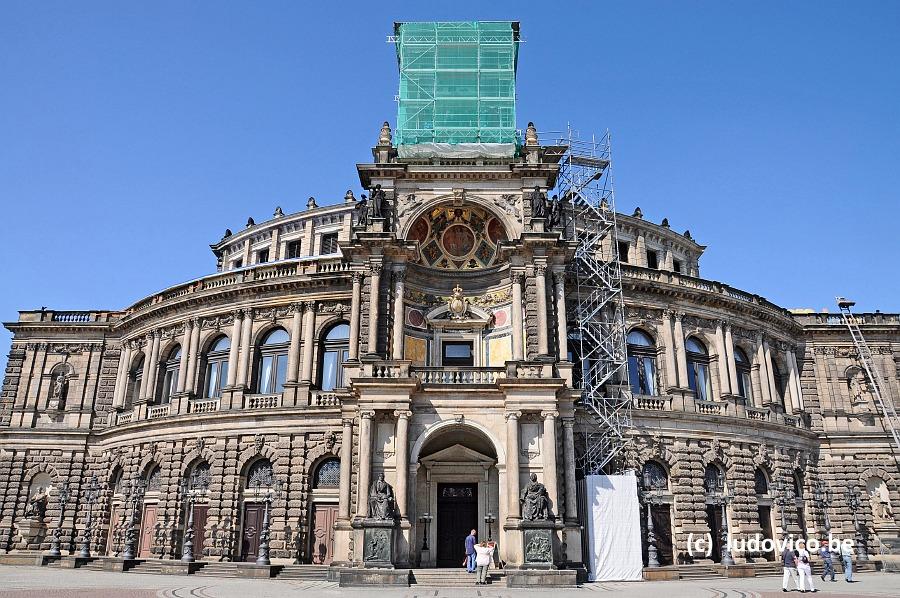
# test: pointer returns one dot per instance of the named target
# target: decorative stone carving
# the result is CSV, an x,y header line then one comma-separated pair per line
x,y
458,304
538,546
37,504
377,545
535,501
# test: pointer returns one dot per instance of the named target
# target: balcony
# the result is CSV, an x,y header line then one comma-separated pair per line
x,y
262,401
723,408
158,411
458,375
204,406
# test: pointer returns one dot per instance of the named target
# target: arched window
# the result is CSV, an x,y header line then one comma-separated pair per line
x,y
216,376
641,363
169,376
152,480
698,369
780,383
328,475
199,478
713,480
260,475
742,367
335,351
760,481
135,382
273,361
654,476
798,485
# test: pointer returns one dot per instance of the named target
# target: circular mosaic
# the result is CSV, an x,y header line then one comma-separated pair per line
x,y
457,237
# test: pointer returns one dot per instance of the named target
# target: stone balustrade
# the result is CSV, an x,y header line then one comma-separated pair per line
x,y
323,398
386,369
204,406
720,408
758,414
661,403
458,375
124,418
262,401
710,407
158,411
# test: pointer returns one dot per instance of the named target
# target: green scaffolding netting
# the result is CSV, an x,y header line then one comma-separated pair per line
x,y
457,82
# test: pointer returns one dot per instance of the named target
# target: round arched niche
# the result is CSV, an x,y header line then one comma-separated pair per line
x,y
457,237
466,436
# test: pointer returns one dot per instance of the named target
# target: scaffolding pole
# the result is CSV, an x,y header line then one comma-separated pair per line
x,y
586,183
888,411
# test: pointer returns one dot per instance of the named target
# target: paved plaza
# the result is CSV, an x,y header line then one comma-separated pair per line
x,y
42,582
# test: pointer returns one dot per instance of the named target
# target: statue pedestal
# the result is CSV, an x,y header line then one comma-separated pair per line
x,y
31,531
378,543
537,544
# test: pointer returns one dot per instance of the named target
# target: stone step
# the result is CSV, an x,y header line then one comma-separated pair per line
x,y
307,572
452,578
699,572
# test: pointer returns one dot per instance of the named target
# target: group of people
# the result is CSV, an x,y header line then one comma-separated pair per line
x,y
478,557
798,565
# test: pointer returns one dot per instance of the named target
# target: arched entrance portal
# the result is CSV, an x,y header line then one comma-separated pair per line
x,y
456,491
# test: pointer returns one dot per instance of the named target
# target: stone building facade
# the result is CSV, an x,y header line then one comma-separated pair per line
x,y
424,339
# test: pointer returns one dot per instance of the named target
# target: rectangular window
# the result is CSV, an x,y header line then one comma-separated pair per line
x,y
265,375
458,353
329,244
652,261
237,264
262,256
676,265
293,249
623,251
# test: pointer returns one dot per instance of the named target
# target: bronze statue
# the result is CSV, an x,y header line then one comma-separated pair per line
x,y
381,499
538,203
376,201
362,211
535,501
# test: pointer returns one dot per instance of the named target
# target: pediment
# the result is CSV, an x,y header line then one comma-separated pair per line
x,y
457,454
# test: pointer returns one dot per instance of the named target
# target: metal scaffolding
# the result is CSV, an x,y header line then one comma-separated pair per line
x,y
598,339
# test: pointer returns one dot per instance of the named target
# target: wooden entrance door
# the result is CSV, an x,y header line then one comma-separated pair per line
x,y
200,513
253,519
714,521
765,524
148,529
457,515
322,550
114,523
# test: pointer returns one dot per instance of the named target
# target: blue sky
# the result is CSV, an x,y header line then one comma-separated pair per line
x,y
134,133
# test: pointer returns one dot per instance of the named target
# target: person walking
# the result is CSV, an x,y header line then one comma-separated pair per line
x,y
825,554
790,568
804,568
847,558
483,554
470,551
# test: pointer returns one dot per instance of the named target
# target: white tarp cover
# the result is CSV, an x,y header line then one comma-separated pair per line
x,y
614,528
457,150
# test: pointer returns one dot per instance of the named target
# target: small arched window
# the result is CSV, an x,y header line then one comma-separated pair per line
x,y
169,376
260,475
152,480
742,368
335,351
760,482
798,485
641,363
199,478
217,367
780,383
654,476
698,369
328,475
273,361
135,382
713,480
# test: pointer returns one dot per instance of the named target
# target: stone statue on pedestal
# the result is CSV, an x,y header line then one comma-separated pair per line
x,y
535,501
538,203
376,202
37,505
381,499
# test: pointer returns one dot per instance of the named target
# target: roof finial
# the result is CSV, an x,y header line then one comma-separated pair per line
x,y
311,203
638,213
384,138
278,213
531,136
687,235
250,222
665,223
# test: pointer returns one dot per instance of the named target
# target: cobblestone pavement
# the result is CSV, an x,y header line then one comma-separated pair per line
x,y
41,582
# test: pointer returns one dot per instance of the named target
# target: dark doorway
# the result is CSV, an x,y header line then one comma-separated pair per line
x,y
253,517
765,524
457,515
662,528
714,521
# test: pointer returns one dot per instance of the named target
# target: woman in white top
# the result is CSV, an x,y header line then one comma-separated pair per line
x,y
804,567
483,554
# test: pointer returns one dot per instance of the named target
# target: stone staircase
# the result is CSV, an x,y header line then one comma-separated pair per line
x,y
453,578
151,566
219,570
768,569
699,572
304,572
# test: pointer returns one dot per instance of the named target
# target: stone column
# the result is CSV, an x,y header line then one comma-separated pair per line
x,y
680,354
551,481
725,366
374,284
665,331
773,390
562,332
540,279
729,351
640,250
183,372
190,384
402,458
794,388
354,316
512,465
763,375
518,346
569,460
246,346
235,345
365,462
151,366
294,352
124,367
397,335
309,330
346,468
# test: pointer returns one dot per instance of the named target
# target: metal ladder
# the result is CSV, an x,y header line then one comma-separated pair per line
x,y
889,413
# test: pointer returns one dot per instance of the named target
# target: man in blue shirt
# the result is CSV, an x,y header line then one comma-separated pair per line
x,y
470,551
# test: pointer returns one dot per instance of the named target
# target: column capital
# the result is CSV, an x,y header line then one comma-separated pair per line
x,y
679,315
400,275
367,414
296,307
237,314
517,276
568,422
549,414
309,306
356,276
559,276
540,269
347,422
402,414
512,415
375,269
